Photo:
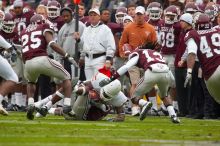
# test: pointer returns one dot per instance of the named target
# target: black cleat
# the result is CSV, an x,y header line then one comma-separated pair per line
x,y
30,112
43,111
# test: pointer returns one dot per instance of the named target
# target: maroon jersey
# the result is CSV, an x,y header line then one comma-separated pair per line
x,y
147,58
12,38
157,24
33,41
169,37
117,32
22,21
209,51
57,23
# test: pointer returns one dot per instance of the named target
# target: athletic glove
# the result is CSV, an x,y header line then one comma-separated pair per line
x,y
188,79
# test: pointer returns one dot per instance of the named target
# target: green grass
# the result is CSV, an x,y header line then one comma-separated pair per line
x,y
16,130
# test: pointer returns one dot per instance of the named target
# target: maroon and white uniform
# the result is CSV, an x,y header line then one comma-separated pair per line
x,y
35,54
156,72
169,38
57,23
209,55
22,21
157,25
89,107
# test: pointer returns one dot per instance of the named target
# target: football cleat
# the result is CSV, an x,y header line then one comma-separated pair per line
x,y
30,111
3,111
145,109
175,119
135,111
43,111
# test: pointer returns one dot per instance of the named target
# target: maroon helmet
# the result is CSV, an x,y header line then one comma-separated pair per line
x,y
212,11
44,2
8,23
191,8
171,14
37,19
202,22
53,9
154,10
120,13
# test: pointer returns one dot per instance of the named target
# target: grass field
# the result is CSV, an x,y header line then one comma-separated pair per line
x,y
16,130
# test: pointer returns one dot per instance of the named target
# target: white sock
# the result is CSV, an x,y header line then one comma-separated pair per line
x,y
67,101
13,99
18,98
1,98
24,100
52,111
45,100
30,100
154,101
142,102
175,105
5,98
49,105
170,110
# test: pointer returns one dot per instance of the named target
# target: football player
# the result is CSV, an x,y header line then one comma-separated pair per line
x,y
169,37
9,32
156,72
92,102
35,39
7,73
208,54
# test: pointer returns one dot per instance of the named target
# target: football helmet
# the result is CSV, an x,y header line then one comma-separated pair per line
x,y
212,11
8,23
154,10
202,22
119,15
43,2
171,14
110,90
53,9
191,8
37,19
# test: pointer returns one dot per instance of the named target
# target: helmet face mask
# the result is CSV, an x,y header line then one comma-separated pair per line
x,y
120,14
171,14
53,9
8,24
154,10
212,11
202,22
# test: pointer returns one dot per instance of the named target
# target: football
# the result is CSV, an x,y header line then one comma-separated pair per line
x,y
127,49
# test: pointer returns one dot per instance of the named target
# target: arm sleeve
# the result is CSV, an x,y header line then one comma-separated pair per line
x,y
191,46
131,62
4,44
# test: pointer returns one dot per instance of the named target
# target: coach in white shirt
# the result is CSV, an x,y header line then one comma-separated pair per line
x,y
98,45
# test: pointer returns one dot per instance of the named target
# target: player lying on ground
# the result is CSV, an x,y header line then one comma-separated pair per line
x,y
92,103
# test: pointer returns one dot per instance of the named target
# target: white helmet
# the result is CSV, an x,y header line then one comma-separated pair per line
x,y
110,90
